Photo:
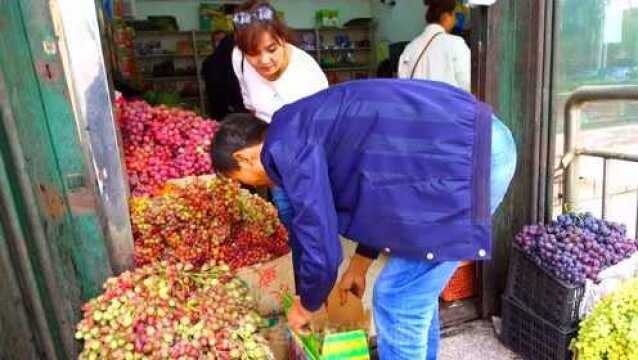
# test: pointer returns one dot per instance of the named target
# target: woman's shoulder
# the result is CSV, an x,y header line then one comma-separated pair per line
x,y
302,58
415,46
456,41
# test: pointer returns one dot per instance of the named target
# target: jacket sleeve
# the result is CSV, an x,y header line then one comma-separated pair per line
x,y
304,176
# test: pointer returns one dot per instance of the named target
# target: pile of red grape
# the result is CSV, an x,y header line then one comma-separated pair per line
x,y
206,219
173,311
162,143
576,247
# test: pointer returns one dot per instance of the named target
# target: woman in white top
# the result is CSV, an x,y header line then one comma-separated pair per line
x,y
271,71
436,54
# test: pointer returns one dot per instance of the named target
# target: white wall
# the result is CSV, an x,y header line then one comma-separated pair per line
x,y
186,11
299,13
402,22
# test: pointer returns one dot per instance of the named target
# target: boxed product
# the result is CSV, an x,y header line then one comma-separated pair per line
x,y
338,331
327,18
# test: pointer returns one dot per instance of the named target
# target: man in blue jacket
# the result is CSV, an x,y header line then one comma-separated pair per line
x,y
410,168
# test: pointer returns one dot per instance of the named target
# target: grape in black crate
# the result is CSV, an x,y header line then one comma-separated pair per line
x,y
550,263
531,336
538,289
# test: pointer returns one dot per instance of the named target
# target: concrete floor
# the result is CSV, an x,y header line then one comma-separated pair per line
x,y
473,341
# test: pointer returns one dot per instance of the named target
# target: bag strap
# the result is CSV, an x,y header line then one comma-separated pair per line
x,y
418,60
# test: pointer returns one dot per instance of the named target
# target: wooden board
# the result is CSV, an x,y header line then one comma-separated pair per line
x,y
513,85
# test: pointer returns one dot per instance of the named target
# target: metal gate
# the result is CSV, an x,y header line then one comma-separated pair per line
x,y
572,152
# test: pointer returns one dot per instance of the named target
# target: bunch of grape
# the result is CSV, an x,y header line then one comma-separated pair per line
x,y
206,219
576,247
163,143
172,311
611,331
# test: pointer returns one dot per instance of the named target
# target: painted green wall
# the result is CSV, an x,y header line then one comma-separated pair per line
x,y
402,22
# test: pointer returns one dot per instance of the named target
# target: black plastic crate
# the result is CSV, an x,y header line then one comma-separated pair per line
x,y
532,337
542,292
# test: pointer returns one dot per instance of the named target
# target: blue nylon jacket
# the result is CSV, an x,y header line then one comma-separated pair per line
x,y
396,165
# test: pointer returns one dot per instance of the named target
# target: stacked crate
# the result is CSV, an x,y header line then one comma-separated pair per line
x,y
540,311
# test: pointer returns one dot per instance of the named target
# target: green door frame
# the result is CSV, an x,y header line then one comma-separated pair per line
x,y
513,75
52,244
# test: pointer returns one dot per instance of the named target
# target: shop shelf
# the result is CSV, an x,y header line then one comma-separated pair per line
x,y
348,49
171,78
346,68
165,56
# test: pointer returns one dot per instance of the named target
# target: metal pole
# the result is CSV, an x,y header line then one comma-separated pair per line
x,y
552,55
609,155
9,220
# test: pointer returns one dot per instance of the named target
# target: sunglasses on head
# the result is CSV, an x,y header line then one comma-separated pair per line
x,y
262,13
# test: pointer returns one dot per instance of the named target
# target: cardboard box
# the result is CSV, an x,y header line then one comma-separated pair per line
x,y
268,282
278,337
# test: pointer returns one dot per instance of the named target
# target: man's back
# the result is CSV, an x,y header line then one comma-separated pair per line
x,y
401,159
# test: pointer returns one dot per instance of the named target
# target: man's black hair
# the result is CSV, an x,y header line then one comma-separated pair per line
x,y
237,131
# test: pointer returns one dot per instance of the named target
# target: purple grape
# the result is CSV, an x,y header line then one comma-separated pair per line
x,y
576,247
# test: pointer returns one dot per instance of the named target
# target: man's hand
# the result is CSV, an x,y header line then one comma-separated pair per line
x,y
299,317
354,279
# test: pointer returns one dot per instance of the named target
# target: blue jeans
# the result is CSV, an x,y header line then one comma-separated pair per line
x,y
406,294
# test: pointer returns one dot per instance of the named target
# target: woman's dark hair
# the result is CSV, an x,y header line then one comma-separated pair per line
x,y
436,9
247,36
237,131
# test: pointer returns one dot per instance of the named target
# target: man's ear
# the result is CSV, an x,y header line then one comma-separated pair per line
x,y
241,156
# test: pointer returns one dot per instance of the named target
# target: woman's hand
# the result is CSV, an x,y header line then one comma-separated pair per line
x,y
354,279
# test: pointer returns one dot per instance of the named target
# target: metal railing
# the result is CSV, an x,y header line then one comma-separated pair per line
x,y
573,107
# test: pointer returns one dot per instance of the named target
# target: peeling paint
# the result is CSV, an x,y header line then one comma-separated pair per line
x,y
47,71
51,201
82,201
49,47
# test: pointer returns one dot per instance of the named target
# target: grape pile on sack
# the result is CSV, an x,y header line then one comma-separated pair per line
x,y
206,219
162,143
173,311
